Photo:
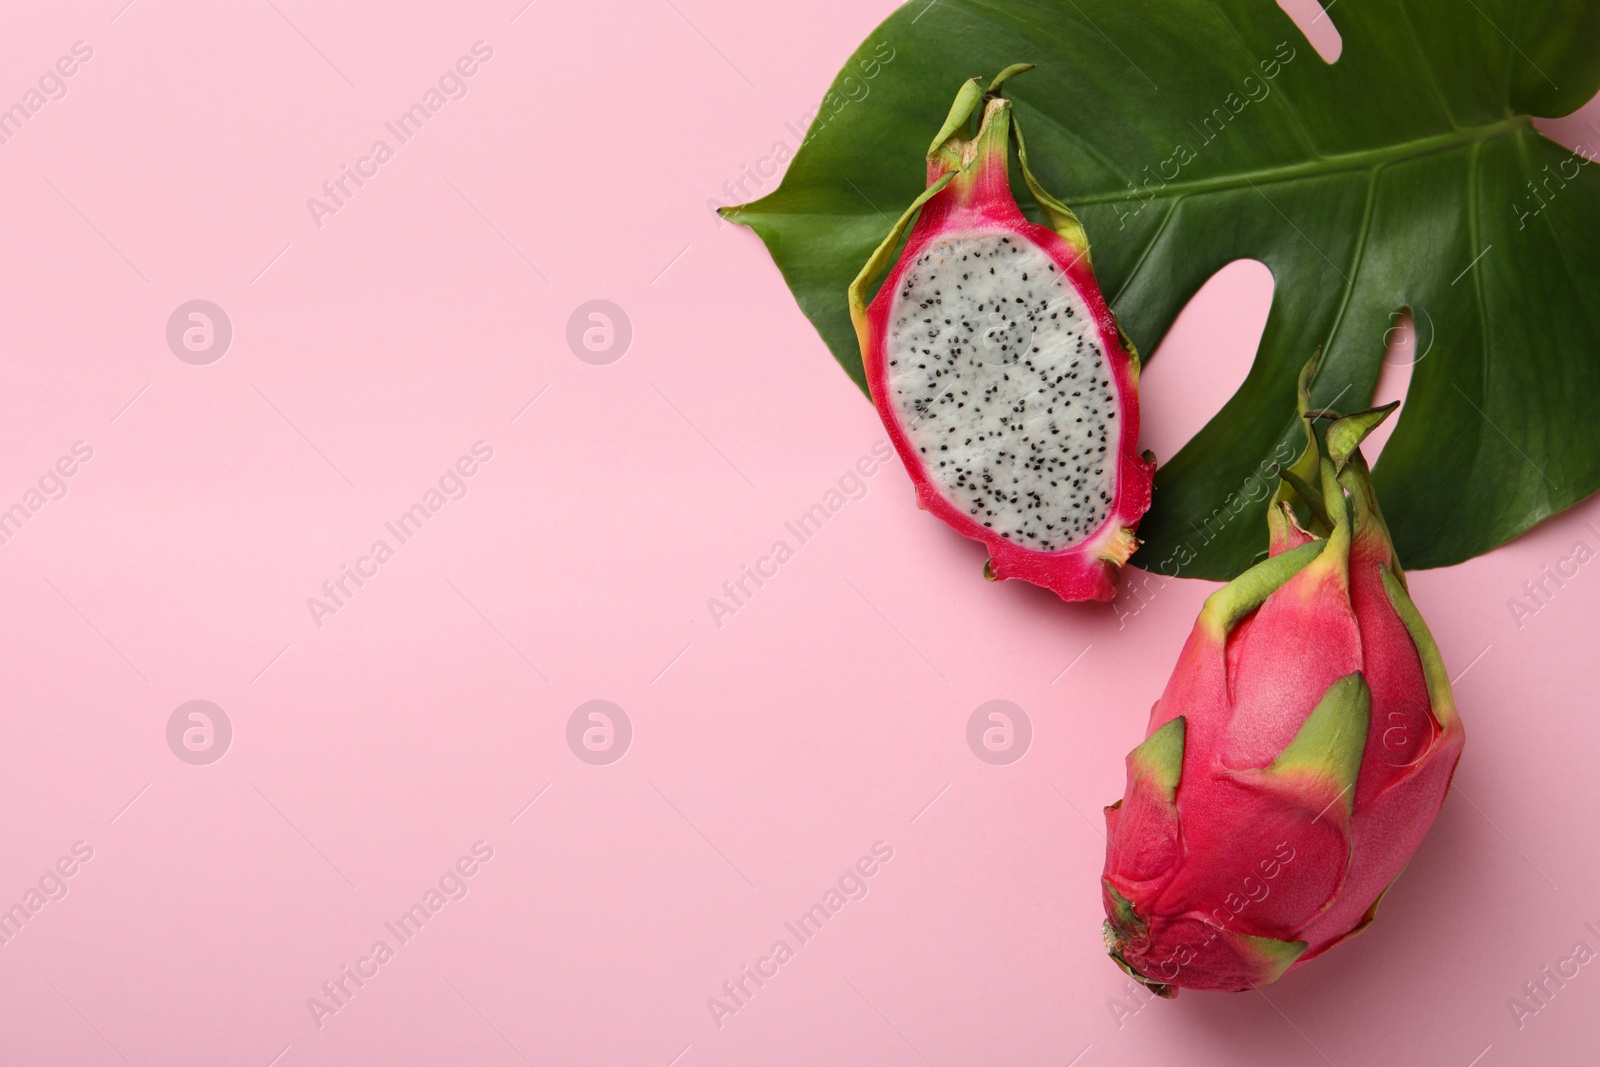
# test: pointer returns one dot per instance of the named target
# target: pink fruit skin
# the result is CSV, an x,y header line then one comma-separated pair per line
x,y
1086,571
1239,853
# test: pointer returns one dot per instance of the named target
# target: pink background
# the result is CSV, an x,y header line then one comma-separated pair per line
x,y
767,755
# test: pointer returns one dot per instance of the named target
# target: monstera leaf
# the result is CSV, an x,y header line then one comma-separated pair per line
x,y
1191,133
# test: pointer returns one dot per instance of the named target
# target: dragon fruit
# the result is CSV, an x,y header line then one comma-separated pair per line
x,y
1003,379
1299,753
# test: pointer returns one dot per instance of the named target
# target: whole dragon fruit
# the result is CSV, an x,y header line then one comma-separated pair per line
x,y
1301,749
1004,381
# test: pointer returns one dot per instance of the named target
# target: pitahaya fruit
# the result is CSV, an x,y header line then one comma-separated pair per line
x,y
999,371
1302,747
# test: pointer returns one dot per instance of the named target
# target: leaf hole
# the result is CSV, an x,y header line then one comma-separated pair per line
x,y
1314,21
1204,357
1407,342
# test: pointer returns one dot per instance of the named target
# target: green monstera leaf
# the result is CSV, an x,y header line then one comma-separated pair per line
x,y
1188,134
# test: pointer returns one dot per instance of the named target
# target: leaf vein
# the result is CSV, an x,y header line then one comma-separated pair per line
x,y
1355,261
1326,166
1155,239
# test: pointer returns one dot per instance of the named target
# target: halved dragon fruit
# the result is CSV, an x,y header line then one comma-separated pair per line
x,y
1301,750
999,371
